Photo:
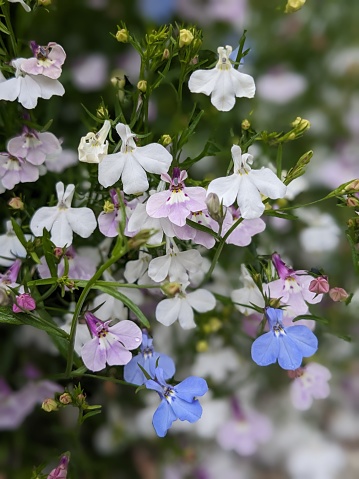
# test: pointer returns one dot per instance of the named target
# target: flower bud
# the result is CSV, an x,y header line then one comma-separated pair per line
x,y
65,398
185,37
24,302
215,208
166,54
301,124
44,3
352,202
245,124
170,289
338,294
81,399
122,35
102,112
294,5
142,86
49,405
354,185
16,203
58,252
166,140
319,285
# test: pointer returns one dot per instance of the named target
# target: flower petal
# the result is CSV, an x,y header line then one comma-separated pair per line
x,y
163,418
190,388
249,200
93,355
110,169
265,349
268,183
203,81
167,310
128,333
226,188
201,300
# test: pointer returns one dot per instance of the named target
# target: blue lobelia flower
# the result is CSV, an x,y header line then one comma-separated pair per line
x,y
177,402
287,345
148,359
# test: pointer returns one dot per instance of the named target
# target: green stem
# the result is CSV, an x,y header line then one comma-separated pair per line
x,y
279,160
6,12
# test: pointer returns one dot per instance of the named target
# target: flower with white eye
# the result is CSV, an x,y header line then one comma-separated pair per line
x,y
223,82
62,220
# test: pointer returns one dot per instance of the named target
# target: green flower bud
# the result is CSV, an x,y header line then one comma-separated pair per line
x,y
142,86
122,35
185,37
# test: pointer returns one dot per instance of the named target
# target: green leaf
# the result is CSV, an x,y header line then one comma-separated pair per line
x,y
90,414
4,29
319,319
48,248
126,301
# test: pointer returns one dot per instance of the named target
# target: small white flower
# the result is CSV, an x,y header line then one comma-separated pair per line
x,y
62,220
131,163
223,82
26,7
247,295
10,246
247,185
28,88
182,305
93,147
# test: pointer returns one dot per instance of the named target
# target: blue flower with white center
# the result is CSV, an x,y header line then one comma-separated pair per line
x,y
287,345
148,359
177,402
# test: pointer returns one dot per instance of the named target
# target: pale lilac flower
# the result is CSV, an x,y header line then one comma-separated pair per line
x,y
47,60
248,295
242,234
309,382
179,201
131,163
175,264
247,185
280,86
60,160
8,280
24,302
223,82
245,431
90,72
94,146
33,146
60,472
181,307
292,288
28,88
10,246
14,170
81,265
186,232
62,220
109,219
23,4
109,344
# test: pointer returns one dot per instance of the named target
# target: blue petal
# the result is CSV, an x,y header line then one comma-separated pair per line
x,y
190,388
163,418
305,340
186,411
265,349
158,12
290,356
132,373
150,384
274,316
164,362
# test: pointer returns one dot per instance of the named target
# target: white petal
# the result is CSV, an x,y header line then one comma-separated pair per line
x,y
82,221
249,200
29,92
185,316
48,86
268,183
110,169
223,96
134,177
167,311
226,188
201,300
203,81
43,218
191,260
154,158
61,231
9,89
159,268
243,84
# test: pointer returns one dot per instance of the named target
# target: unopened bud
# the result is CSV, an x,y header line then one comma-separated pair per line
x,y
185,38
295,373
102,112
16,203
352,202
338,294
354,185
301,124
291,136
49,405
122,35
215,208
58,252
319,285
245,124
166,54
118,81
166,140
142,86
202,346
44,3
274,303
170,289
24,302
65,398
81,399
294,5
140,239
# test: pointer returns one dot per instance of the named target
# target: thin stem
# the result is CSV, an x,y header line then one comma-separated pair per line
x,y
6,12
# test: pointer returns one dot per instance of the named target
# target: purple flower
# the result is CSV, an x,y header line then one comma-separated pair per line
x,y
47,60
110,217
109,344
60,472
14,170
177,402
242,234
310,382
287,345
148,359
179,201
24,302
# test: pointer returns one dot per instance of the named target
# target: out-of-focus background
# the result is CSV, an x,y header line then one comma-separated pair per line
x,y
305,64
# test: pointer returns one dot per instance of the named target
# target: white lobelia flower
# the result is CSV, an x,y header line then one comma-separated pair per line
x,y
10,246
26,7
62,220
93,147
224,83
174,264
248,295
181,307
131,163
28,88
247,185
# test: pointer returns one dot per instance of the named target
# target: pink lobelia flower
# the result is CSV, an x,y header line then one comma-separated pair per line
x,y
242,234
24,302
179,201
131,163
62,220
110,217
14,170
8,280
34,146
292,288
28,88
60,472
309,382
109,344
47,60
